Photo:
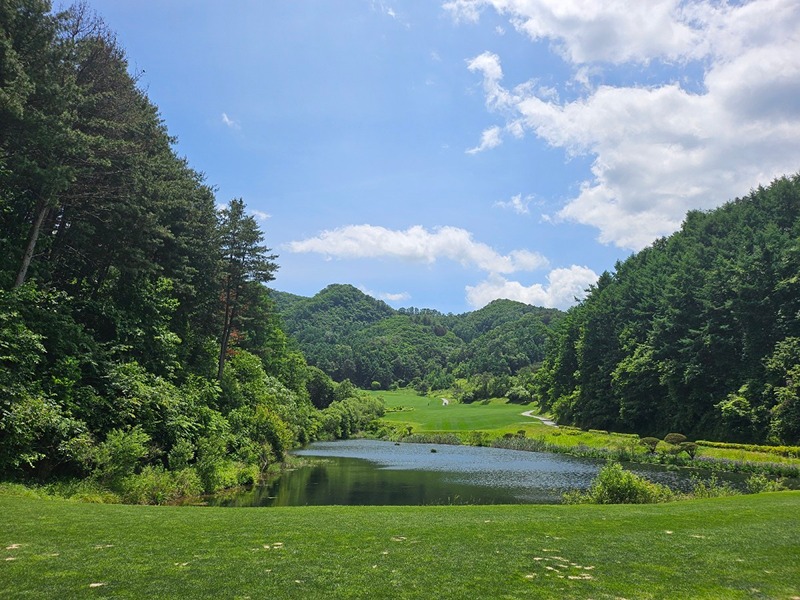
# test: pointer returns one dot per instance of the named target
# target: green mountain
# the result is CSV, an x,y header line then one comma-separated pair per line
x,y
351,335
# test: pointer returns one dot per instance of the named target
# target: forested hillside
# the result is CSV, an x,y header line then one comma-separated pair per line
x,y
698,334
137,340
350,335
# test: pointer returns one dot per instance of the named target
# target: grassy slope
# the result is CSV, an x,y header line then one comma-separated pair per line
x,y
736,547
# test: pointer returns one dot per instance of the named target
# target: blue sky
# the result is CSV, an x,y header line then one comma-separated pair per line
x,y
443,154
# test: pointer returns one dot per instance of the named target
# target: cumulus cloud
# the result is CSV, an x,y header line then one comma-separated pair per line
x,y
563,287
659,149
417,244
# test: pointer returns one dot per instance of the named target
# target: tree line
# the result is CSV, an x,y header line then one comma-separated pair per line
x,y
698,333
136,332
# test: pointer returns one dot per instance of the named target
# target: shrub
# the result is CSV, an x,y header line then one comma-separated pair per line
x,y
712,488
757,483
614,485
154,485
120,454
690,448
537,444
787,451
477,438
651,443
450,439
181,454
675,438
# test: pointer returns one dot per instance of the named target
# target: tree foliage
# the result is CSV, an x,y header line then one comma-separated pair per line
x,y
137,337
696,333
349,335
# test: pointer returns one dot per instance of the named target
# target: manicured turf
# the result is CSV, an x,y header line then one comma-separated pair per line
x,y
428,414
725,548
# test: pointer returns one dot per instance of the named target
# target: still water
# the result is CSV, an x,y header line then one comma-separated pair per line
x,y
371,472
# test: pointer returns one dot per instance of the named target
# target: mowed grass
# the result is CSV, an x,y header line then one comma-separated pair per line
x,y
428,414
735,547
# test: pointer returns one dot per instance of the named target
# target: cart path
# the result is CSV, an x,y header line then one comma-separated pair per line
x,y
545,420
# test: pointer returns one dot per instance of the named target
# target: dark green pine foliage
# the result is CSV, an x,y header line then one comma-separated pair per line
x,y
246,264
695,333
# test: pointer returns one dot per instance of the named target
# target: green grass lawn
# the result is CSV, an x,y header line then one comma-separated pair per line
x,y
428,414
724,548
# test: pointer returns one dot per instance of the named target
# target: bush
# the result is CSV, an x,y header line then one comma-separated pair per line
x,y
712,488
119,455
690,448
758,483
787,451
477,438
450,439
154,485
675,439
181,455
614,485
651,443
537,444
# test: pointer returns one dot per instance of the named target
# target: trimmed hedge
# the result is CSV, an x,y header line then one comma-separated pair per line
x,y
787,451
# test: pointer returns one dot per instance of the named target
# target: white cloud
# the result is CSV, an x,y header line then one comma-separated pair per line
x,y
230,122
260,215
659,149
562,289
489,139
517,203
386,296
389,297
419,245
582,31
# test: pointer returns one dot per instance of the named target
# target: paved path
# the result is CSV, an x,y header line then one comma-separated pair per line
x,y
545,420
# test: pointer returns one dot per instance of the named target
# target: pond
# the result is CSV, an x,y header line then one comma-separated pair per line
x,y
372,472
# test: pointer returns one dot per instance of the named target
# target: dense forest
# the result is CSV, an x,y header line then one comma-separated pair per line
x,y
698,333
138,343
350,335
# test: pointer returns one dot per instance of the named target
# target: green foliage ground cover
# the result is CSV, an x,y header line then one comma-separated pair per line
x,y
734,547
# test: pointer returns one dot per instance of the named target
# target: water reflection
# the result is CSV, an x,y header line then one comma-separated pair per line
x,y
371,472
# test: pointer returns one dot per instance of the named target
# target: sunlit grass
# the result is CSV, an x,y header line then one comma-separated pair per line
x,y
428,414
736,547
